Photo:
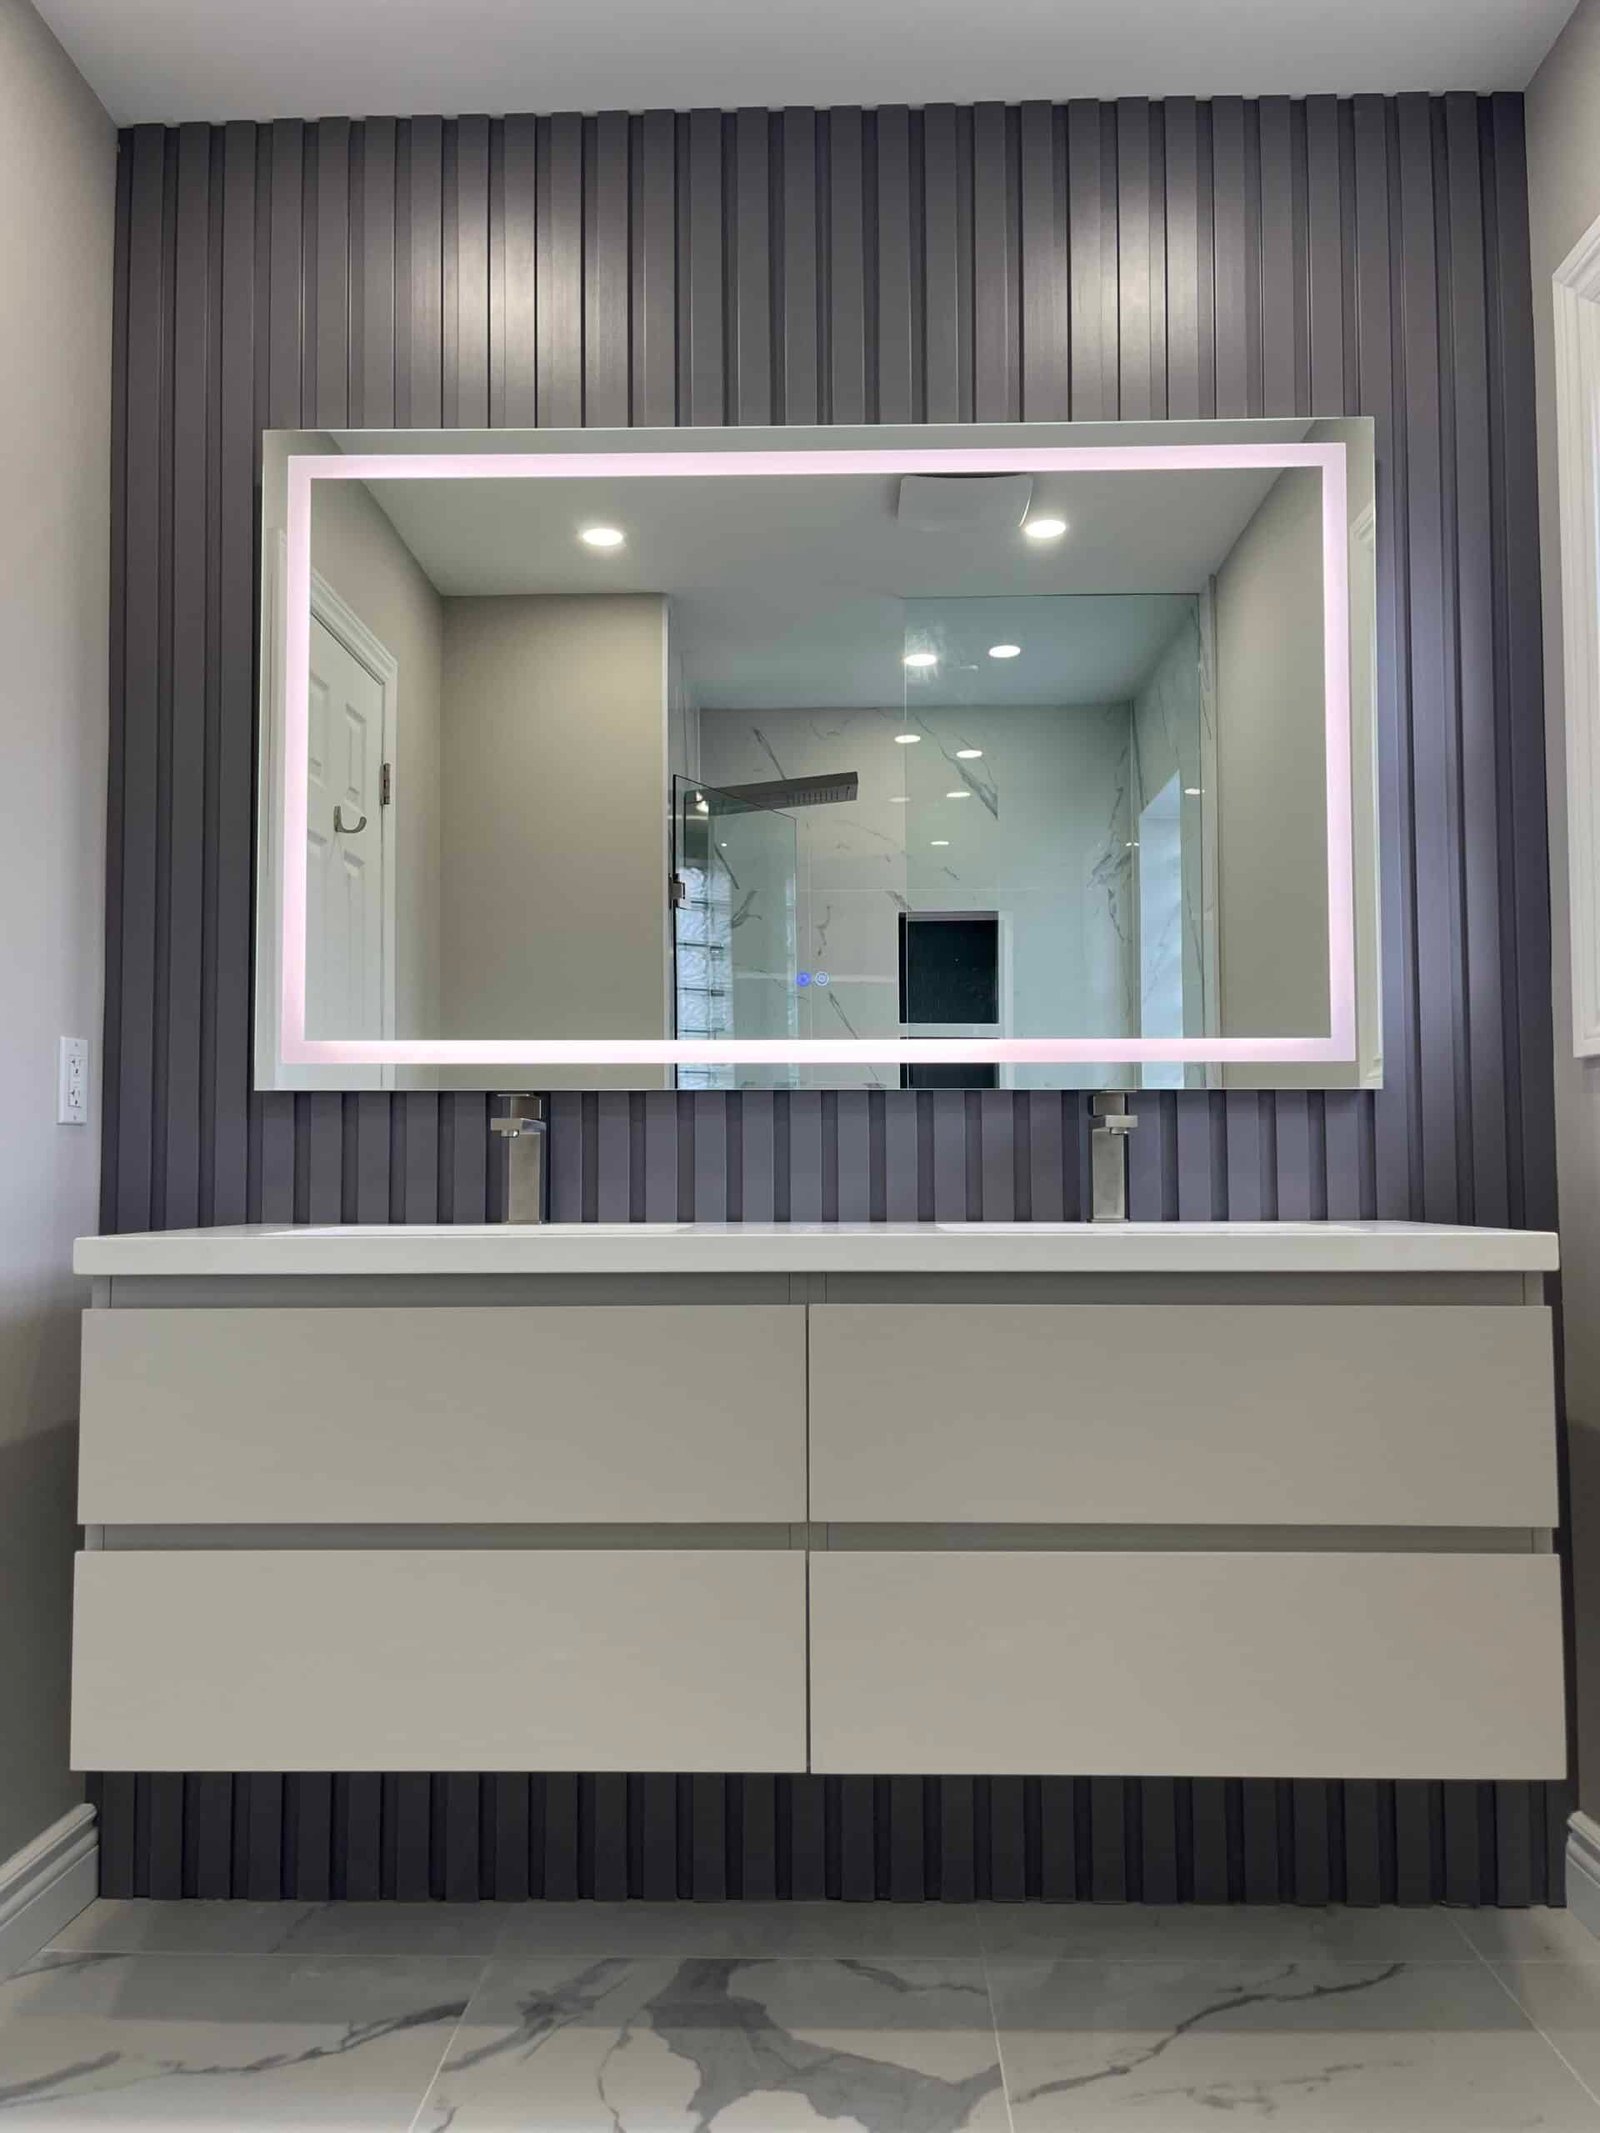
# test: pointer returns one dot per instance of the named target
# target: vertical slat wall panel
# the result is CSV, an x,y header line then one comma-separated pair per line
x,y
1066,259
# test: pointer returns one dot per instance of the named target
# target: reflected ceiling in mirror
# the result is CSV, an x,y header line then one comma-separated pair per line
x,y
1021,757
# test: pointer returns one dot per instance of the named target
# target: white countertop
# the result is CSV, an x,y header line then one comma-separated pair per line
x,y
837,1248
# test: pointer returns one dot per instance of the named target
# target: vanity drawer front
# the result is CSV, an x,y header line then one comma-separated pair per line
x,y
1189,1414
492,1659
445,1415
1204,1665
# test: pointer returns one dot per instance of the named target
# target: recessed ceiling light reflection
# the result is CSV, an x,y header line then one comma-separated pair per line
x,y
602,536
1044,529
922,659
1005,651
907,740
937,841
899,799
1191,792
968,755
960,793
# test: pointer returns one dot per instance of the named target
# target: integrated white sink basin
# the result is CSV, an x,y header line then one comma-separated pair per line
x,y
481,1248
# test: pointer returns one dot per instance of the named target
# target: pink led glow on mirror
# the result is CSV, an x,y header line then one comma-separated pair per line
x,y
1338,1047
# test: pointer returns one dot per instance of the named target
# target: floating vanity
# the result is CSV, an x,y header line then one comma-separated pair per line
x,y
1210,1500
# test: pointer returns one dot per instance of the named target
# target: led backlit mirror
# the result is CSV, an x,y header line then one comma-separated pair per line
x,y
1031,756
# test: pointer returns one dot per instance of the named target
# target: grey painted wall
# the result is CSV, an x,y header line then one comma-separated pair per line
x,y
57,159
1071,259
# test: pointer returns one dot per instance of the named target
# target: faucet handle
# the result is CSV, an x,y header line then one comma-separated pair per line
x,y
1111,1109
523,1114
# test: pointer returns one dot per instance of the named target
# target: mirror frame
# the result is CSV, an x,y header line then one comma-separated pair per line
x,y
287,1058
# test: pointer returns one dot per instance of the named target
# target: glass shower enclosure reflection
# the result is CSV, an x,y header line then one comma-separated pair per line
x,y
736,940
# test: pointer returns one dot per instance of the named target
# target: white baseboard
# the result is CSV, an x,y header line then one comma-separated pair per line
x,y
1583,1871
45,1884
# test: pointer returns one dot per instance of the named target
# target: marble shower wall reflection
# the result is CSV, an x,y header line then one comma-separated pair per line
x,y
1028,810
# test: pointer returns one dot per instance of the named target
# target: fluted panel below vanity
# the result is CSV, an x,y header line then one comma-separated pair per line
x,y
911,1839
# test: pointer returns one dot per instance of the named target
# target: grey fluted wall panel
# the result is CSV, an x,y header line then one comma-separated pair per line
x,y
1053,259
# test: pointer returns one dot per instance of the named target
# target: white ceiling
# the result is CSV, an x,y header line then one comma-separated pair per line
x,y
220,59
807,591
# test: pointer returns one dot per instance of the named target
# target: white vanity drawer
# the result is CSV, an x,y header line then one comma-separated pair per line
x,y
1204,1665
447,1660
621,1412
1190,1414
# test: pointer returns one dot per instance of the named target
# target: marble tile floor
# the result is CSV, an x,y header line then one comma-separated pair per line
x,y
753,2018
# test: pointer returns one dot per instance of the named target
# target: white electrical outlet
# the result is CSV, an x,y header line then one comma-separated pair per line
x,y
72,1090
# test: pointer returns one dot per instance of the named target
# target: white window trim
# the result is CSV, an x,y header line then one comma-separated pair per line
x,y
1576,288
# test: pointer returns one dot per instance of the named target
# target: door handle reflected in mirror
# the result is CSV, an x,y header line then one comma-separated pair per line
x,y
343,828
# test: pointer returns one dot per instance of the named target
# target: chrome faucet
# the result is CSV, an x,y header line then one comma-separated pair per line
x,y
521,1125
1108,1156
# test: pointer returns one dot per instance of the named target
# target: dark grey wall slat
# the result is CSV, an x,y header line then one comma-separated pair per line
x,y
799,350
229,882
1324,264
408,1836
559,273
603,1816
309,1845
1137,282
702,357
1158,1841
142,804
1213,1881
1394,1136
1108,1840
957,1827
1175,258
1058,1847
468,219
897,394
163,1876
1472,512
1008,1840
752,254
847,313
759,1838
806,1799
358,1836
1045,341
658,1837
1312,1852
517,256
907,1866
423,315
941,264
709,1837
178,1115
994,275
853,1838
507,1832
606,280
1413,1824
1511,386
1432,783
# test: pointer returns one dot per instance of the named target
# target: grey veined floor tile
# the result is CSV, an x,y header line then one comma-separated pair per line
x,y
1312,2047
193,1927
1169,1932
1563,2001
777,1929
670,2045
1535,1936
253,2041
